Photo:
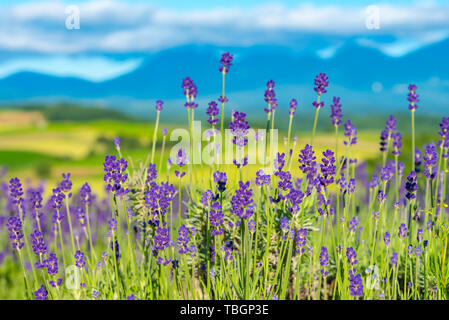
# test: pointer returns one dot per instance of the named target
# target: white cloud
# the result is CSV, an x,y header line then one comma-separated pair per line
x,y
90,68
113,26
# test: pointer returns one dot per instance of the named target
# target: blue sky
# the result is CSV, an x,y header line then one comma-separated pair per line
x,y
115,36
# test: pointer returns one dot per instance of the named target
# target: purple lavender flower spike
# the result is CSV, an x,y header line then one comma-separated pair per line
x,y
411,186
117,143
397,143
159,104
412,97
41,293
350,133
212,112
15,231
355,284
239,128
226,62
293,105
430,161
321,83
242,203
336,113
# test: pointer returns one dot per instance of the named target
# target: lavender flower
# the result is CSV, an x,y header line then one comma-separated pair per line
x,y
15,231
216,218
350,133
336,112
239,128
38,243
293,105
52,264
115,175
355,284
321,83
402,231
411,186
324,261
117,143
15,190
307,161
159,104
86,194
412,97
397,143
212,112
41,293
226,62
242,203
387,238
262,178
390,124
352,256
327,168
66,184
430,161
228,248
80,259
383,140
394,259
220,179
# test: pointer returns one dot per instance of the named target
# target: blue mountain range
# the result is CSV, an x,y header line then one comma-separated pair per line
x,y
366,79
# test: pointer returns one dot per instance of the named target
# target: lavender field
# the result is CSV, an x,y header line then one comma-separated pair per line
x,y
304,219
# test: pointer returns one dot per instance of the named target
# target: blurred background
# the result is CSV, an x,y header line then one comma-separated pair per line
x,y
75,74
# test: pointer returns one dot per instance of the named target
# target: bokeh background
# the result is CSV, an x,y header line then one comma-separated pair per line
x,y
66,90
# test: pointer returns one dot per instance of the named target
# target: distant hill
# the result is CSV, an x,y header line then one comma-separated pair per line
x,y
67,112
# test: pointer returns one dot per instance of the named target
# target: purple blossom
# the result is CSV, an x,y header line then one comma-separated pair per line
x,y
115,175
293,105
216,218
355,284
397,143
15,231
212,112
402,233
159,104
228,248
430,161
350,133
220,179
239,128
411,186
307,163
38,243
321,83
336,113
387,238
327,168
117,143
262,178
86,194
15,190
226,62
394,259
412,97
52,264
383,140
80,259
352,256
242,203
41,293
324,260
390,124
